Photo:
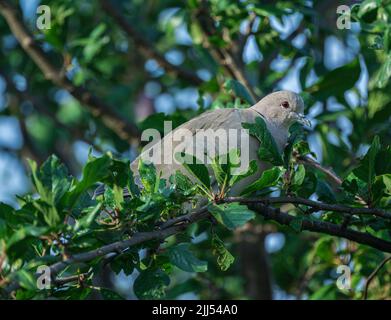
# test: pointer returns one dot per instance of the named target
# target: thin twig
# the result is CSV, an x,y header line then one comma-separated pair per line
x,y
328,172
373,275
64,280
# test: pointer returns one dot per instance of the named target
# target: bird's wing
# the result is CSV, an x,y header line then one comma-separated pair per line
x,y
218,119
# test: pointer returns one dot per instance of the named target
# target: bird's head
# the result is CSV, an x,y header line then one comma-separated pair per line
x,y
283,108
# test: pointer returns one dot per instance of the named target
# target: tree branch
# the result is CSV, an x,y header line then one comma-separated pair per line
x,y
323,227
328,172
179,224
222,55
40,106
124,129
313,204
146,47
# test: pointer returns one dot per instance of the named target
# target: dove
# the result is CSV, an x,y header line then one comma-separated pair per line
x,y
279,110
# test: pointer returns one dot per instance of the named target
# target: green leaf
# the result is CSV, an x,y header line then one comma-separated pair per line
x,y
381,166
231,215
238,90
384,73
119,173
197,169
336,82
148,176
150,284
196,33
308,187
108,294
324,192
381,187
297,223
366,170
96,169
183,258
268,150
27,280
253,167
225,168
269,178
24,232
89,216
51,180
354,185
367,6
298,177
182,183
224,257
323,250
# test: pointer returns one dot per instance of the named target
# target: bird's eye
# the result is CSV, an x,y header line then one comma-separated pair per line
x,y
285,104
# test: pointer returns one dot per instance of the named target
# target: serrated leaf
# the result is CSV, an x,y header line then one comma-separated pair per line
x,y
197,169
149,177
182,183
253,167
181,256
269,178
150,284
239,90
51,180
224,257
231,215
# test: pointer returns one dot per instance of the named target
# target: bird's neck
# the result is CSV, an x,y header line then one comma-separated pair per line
x,y
279,133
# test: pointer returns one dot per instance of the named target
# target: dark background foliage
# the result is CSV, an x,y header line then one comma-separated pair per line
x,y
118,67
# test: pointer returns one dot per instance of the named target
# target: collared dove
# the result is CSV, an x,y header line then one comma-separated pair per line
x,y
279,111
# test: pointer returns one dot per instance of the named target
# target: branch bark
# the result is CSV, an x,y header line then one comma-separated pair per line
x,y
313,204
123,128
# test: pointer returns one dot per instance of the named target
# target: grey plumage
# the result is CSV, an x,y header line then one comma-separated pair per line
x,y
279,110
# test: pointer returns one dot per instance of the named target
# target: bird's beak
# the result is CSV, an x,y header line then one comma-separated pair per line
x,y
302,119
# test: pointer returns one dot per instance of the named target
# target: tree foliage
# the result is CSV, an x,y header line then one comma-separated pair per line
x,y
96,77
